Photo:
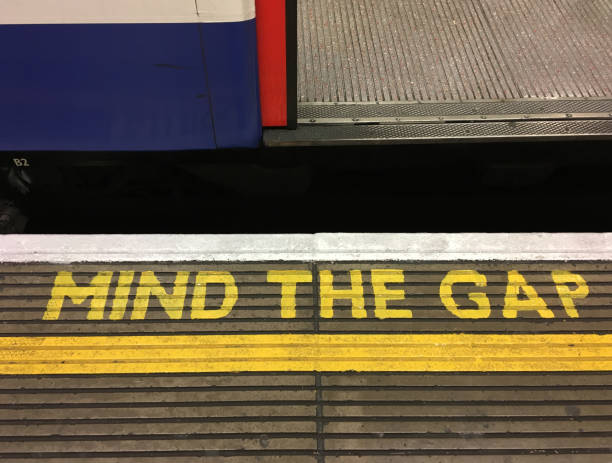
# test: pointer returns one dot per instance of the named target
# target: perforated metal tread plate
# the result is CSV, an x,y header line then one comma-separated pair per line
x,y
387,134
417,112
449,50
459,60
134,376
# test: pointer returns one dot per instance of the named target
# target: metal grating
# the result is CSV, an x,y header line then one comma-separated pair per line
x,y
592,108
453,50
327,135
306,417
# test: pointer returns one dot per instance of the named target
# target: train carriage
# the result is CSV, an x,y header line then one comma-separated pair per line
x,y
144,75
121,75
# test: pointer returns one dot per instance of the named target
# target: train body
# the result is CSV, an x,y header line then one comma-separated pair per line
x,y
128,75
168,75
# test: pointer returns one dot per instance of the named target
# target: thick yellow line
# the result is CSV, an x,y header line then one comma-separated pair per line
x,y
305,352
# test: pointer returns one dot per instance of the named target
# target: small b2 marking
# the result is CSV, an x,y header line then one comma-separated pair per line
x,y
21,162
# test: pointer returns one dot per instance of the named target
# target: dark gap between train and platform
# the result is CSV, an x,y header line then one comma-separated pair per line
x,y
557,187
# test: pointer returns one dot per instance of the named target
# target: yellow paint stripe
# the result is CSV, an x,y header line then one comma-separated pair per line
x,y
305,352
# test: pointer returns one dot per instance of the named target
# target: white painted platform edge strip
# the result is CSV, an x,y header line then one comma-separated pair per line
x,y
321,247
124,11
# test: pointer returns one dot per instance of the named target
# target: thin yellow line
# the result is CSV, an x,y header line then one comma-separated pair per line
x,y
305,352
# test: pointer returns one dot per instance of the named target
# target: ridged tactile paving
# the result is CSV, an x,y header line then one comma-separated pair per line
x,y
306,416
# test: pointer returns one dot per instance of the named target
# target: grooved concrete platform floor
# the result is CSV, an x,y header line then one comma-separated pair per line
x,y
453,50
306,348
118,362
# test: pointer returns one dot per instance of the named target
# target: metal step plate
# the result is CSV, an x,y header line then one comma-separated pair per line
x,y
323,348
448,50
424,61
399,134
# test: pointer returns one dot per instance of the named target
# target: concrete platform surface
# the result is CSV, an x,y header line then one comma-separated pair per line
x,y
343,348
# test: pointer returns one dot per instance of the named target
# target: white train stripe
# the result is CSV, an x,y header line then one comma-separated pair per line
x,y
322,247
124,11
226,10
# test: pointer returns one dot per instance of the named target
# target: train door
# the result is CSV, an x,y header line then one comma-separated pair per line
x,y
398,71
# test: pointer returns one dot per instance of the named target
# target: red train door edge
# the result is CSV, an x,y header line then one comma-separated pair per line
x,y
277,43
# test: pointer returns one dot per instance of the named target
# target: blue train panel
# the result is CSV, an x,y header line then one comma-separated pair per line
x,y
233,83
122,86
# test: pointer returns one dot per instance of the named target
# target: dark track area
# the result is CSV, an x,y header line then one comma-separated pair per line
x,y
428,188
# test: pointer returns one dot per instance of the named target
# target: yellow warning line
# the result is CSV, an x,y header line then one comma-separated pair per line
x,y
305,352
